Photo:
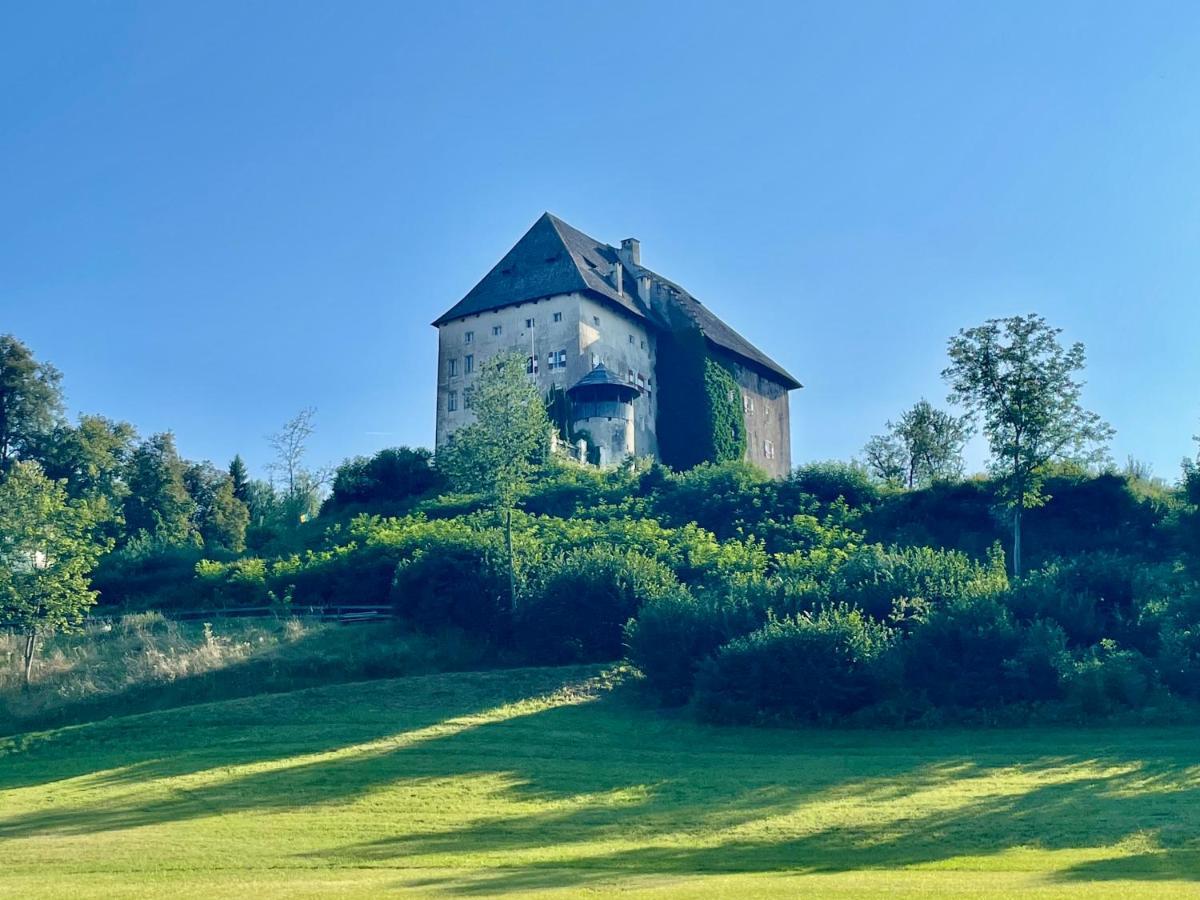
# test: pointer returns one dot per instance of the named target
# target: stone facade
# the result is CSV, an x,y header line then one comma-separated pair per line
x,y
570,334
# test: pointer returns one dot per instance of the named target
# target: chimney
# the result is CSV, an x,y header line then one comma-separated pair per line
x,y
618,281
643,288
631,251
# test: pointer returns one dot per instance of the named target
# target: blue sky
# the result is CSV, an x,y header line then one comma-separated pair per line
x,y
216,214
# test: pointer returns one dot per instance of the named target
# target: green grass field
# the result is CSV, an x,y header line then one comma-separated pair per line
x,y
556,782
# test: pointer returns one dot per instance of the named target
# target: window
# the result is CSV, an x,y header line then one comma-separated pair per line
x,y
469,337
595,360
641,382
643,343
768,450
557,359
558,317
452,401
453,366
496,329
529,323
629,376
631,339
747,404
468,363
531,365
596,321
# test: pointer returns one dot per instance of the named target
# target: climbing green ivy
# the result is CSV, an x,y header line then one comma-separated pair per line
x,y
727,421
700,416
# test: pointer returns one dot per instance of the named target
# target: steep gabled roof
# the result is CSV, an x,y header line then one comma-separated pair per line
x,y
554,258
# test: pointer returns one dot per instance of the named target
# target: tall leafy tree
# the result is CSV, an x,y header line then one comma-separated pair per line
x,y
924,445
218,516
240,478
30,401
159,504
1016,376
92,458
497,454
48,548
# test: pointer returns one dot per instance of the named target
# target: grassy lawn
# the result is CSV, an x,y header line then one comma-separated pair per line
x,y
550,781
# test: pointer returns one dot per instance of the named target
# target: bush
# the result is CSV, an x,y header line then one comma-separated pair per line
x,y
1106,679
956,654
873,578
812,668
456,581
674,634
1091,596
827,481
577,606
391,476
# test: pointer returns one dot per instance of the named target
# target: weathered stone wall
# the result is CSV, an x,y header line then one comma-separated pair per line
x,y
768,420
576,332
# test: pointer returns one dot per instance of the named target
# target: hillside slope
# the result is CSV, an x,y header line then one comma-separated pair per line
x,y
555,781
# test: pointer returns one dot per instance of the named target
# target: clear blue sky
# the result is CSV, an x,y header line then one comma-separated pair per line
x,y
214,214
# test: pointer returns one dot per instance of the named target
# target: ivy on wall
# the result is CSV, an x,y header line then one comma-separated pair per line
x,y
700,417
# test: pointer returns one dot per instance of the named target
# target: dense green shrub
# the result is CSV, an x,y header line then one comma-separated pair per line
x,y
578,604
1107,679
391,476
1090,596
873,578
812,667
676,633
827,481
956,655
456,581
347,575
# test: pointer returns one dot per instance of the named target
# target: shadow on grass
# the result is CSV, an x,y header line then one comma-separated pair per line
x,y
626,792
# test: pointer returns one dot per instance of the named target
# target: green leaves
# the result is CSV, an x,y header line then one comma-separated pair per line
x,y
47,552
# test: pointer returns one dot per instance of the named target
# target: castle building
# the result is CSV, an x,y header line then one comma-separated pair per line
x,y
604,332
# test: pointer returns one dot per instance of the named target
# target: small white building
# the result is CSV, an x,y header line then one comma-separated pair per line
x,y
572,304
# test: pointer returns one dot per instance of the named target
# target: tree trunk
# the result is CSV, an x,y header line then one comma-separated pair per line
x,y
512,571
27,656
1017,541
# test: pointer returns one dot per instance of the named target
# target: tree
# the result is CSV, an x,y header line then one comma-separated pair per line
x,y
159,503
497,454
218,516
92,458
30,400
1017,377
240,478
392,475
300,486
48,548
923,446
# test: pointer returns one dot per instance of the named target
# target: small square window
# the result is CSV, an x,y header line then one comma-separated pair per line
x,y
643,343
452,366
631,339
496,329
469,337
452,401
641,381
629,376
529,323
469,363
558,317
